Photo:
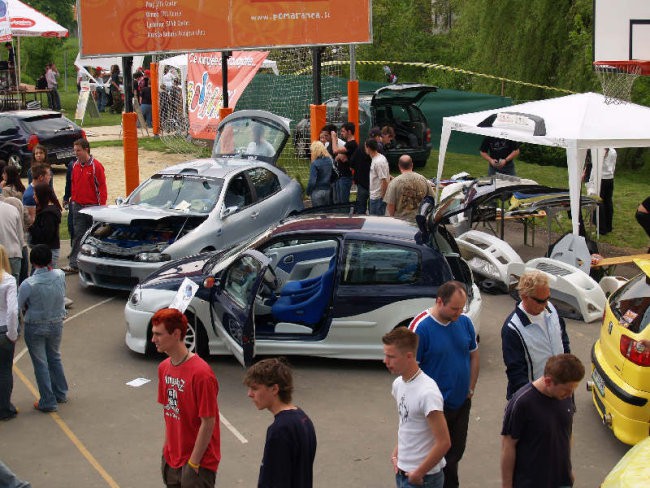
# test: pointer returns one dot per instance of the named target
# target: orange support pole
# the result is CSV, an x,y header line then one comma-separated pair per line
x,y
318,117
155,98
225,112
130,140
353,106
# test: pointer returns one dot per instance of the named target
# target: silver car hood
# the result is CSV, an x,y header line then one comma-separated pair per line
x,y
125,214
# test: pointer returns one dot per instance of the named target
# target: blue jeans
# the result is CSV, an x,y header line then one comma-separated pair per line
x,y
342,189
9,480
146,113
361,205
430,481
80,223
7,348
377,206
320,198
44,343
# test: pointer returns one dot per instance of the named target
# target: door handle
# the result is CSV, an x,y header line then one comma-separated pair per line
x,y
288,259
254,215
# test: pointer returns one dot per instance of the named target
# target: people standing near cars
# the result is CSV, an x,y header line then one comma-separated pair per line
x,y
342,157
538,425
41,298
24,261
11,184
8,335
39,156
405,192
100,89
379,178
116,94
87,188
422,436
532,333
12,236
500,155
145,100
45,229
187,389
290,447
448,353
320,174
41,173
51,75
606,207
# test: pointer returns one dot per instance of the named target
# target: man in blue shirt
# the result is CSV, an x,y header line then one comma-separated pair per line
x,y
448,353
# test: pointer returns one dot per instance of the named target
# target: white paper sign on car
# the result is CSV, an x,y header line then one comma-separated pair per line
x,y
184,295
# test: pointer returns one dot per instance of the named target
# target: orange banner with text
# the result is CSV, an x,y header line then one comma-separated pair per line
x,y
163,26
205,86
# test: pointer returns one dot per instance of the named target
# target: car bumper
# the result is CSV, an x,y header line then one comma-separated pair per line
x,y
628,407
138,317
113,273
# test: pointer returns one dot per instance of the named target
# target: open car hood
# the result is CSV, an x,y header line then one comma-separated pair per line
x,y
406,92
126,214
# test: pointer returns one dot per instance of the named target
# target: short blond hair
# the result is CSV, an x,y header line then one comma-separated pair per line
x,y
4,260
530,281
318,150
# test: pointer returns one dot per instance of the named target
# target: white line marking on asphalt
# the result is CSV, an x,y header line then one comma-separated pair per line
x,y
232,429
88,309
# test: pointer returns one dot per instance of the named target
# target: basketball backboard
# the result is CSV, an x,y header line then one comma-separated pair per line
x,y
621,30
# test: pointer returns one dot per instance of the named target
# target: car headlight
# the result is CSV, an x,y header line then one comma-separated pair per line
x,y
89,250
136,296
152,257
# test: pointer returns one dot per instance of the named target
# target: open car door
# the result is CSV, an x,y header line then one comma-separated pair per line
x,y
233,303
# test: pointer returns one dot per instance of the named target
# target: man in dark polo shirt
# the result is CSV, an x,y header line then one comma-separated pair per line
x,y
537,426
88,188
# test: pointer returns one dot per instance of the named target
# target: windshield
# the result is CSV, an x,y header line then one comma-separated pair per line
x,y
249,137
185,193
631,304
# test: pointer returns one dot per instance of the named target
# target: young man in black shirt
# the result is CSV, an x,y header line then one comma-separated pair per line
x,y
290,447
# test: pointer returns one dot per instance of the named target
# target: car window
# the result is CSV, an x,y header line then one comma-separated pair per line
x,y
368,262
187,193
333,113
238,193
250,137
266,183
400,114
7,126
240,278
49,124
631,304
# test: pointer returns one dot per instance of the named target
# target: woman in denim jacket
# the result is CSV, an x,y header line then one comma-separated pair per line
x,y
320,175
41,298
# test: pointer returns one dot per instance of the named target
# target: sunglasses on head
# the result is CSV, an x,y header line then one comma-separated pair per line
x,y
541,301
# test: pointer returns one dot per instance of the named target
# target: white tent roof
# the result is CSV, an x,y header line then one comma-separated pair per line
x,y
104,63
574,122
180,62
26,21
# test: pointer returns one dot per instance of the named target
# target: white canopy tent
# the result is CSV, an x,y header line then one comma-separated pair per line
x,y
574,122
28,22
104,63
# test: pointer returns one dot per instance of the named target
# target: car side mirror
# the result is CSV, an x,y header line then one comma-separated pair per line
x,y
119,201
229,211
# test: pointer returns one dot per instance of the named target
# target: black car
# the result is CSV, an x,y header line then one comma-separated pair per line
x,y
21,130
392,105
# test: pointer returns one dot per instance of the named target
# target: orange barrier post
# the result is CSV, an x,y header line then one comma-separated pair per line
x,y
318,117
353,106
155,94
225,112
130,140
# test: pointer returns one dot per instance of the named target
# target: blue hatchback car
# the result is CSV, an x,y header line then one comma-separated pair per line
x,y
320,285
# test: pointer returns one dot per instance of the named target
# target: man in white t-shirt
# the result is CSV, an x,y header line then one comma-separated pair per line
x,y
379,178
422,437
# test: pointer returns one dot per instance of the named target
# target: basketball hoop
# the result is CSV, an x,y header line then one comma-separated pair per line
x,y
617,78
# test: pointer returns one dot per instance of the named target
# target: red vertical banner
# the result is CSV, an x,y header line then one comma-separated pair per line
x,y
205,89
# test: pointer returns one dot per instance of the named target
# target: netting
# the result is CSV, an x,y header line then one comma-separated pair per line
x,y
617,81
287,94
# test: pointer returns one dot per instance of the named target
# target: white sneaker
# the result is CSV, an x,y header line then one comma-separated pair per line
x,y
67,302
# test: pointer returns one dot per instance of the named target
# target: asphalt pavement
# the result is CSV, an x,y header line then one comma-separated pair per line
x,y
110,433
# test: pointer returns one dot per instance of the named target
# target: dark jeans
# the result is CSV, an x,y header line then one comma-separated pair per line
x,y
361,205
606,208
54,99
508,169
186,477
7,348
457,422
80,224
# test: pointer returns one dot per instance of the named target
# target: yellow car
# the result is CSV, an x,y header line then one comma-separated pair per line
x,y
620,378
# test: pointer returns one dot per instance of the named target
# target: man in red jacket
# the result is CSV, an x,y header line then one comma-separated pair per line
x,y
88,183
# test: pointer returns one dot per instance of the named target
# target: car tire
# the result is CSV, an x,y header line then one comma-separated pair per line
x,y
196,338
17,161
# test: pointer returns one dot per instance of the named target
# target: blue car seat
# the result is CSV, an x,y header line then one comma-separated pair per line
x,y
305,304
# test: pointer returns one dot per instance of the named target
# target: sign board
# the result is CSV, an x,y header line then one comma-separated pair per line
x,y
205,87
82,103
621,30
166,26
